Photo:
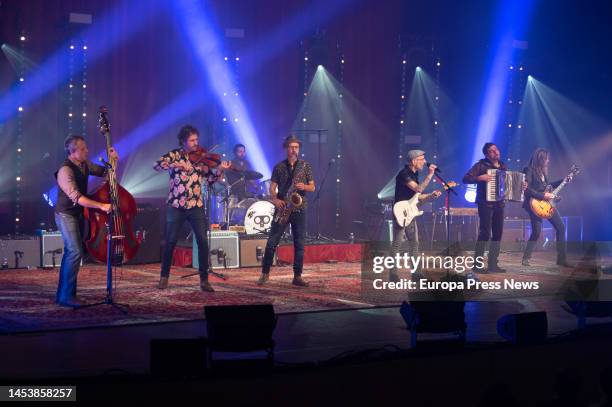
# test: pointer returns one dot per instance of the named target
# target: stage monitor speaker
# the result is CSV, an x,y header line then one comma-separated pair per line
x,y
178,357
147,229
19,252
51,248
528,327
240,328
224,250
252,248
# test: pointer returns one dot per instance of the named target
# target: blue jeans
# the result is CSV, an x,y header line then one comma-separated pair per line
x,y
175,218
297,220
70,227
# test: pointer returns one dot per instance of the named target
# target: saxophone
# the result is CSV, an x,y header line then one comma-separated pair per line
x,y
293,201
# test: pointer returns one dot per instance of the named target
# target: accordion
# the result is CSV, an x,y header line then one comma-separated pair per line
x,y
506,186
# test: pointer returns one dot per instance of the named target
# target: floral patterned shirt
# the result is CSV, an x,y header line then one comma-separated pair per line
x,y
185,187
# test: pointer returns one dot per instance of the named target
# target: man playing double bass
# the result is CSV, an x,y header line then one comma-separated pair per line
x,y
185,203
72,178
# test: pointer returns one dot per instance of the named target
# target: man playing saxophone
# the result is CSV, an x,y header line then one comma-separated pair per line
x,y
291,179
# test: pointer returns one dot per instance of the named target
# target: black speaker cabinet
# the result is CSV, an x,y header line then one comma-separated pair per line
x,y
147,228
19,252
252,248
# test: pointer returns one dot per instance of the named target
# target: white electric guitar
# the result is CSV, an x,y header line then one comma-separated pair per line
x,y
406,211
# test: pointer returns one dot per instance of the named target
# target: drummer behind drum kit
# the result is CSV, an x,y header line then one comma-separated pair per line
x,y
255,213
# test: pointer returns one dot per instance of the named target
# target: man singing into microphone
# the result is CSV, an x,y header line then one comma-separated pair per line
x,y
406,185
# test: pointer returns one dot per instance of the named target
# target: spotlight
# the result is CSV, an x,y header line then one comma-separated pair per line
x,y
304,119
438,64
69,114
21,79
520,126
511,67
339,121
418,68
338,180
339,156
235,93
19,150
225,119
22,38
320,67
84,86
237,59
305,58
521,68
509,124
224,93
72,47
401,122
435,123
20,109
84,114
225,59
236,120
70,86
84,47
342,61
18,179
437,98
16,219
404,62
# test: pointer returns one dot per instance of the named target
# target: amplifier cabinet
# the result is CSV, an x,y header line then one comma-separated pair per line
x,y
252,248
19,252
51,248
224,250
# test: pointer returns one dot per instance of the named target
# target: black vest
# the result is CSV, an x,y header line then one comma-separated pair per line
x,y
65,204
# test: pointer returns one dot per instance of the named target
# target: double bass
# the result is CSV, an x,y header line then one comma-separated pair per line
x,y
123,211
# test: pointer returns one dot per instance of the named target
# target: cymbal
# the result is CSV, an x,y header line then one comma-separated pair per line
x,y
249,175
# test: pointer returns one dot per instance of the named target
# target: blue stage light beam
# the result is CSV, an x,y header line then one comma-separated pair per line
x,y
512,20
204,38
53,72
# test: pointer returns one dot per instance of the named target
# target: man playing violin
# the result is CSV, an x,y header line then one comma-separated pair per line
x,y
72,179
185,202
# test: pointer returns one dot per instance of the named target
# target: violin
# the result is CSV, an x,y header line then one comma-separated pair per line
x,y
201,156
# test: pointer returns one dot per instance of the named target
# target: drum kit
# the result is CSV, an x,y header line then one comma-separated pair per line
x,y
255,212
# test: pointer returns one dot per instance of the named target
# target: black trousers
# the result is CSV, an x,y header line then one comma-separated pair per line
x,y
491,217
536,230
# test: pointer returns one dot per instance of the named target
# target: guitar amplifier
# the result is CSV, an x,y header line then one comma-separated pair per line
x,y
51,248
224,250
252,248
21,252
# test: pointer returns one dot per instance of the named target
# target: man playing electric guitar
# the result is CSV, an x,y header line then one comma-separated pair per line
x,y
406,186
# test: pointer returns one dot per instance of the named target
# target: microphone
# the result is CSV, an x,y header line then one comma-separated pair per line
x,y
106,163
437,169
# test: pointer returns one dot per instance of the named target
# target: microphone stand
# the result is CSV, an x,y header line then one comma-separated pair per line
x,y
317,202
449,190
209,237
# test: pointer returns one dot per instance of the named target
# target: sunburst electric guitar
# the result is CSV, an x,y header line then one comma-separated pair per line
x,y
406,211
546,209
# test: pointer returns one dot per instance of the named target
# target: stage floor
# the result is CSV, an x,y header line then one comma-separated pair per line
x,y
41,339
28,295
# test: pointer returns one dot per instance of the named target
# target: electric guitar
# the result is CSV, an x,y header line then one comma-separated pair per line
x,y
406,211
546,209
